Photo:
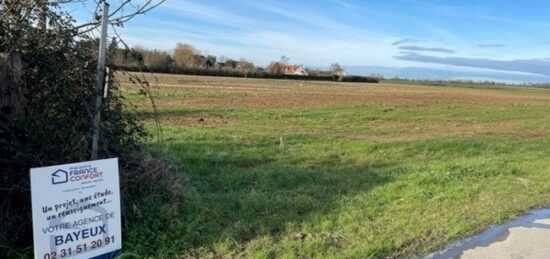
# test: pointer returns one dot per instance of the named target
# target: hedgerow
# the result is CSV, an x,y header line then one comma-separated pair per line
x,y
51,122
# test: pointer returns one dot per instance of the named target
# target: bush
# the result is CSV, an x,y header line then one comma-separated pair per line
x,y
363,79
56,94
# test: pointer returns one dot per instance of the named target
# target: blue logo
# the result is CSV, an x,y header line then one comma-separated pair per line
x,y
60,176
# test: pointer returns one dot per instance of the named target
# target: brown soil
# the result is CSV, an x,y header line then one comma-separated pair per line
x,y
416,131
267,93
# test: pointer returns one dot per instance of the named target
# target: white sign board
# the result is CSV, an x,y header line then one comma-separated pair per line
x,y
76,210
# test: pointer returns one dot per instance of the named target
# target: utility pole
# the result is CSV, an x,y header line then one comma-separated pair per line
x,y
100,80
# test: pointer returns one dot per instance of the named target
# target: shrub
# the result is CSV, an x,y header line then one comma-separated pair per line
x,y
55,94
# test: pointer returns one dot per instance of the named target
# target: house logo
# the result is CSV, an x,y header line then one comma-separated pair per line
x,y
60,176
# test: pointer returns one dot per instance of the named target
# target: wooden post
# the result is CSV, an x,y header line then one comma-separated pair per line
x,y
100,80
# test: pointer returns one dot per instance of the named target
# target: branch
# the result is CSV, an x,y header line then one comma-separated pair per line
x,y
145,86
118,21
120,7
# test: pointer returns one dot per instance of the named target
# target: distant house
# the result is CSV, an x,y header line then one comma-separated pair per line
x,y
231,64
223,63
297,70
206,62
220,64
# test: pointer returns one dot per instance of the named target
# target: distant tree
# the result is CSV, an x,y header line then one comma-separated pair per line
x,y
245,66
212,59
338,72
336,69
157,59
318,72
284,60
231,64
124,57
274,68
185,55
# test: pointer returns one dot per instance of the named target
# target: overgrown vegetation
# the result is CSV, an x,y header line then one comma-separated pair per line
x,y
51,121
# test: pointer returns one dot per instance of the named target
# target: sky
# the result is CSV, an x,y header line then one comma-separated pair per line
x,y
500,40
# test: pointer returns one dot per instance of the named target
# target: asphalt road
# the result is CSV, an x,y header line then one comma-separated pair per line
x,y
524,237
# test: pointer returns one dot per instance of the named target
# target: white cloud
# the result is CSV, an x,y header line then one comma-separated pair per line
x,y
208,13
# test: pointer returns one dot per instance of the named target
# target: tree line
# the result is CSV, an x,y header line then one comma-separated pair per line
x,y
183,57
186,59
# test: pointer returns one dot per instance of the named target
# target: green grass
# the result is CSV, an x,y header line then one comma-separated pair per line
x,y
347,181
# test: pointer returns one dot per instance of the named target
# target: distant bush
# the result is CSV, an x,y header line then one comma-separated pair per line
x,y
364,79
460,82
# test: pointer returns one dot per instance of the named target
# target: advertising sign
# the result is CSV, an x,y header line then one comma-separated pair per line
x,y
76,210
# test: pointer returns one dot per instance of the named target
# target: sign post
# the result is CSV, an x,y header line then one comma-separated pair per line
x,y
76,210
100,80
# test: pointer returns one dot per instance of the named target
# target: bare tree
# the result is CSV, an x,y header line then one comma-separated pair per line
x,y
122,11
185,55
157,60
336,69
274,68
245,66
284,60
